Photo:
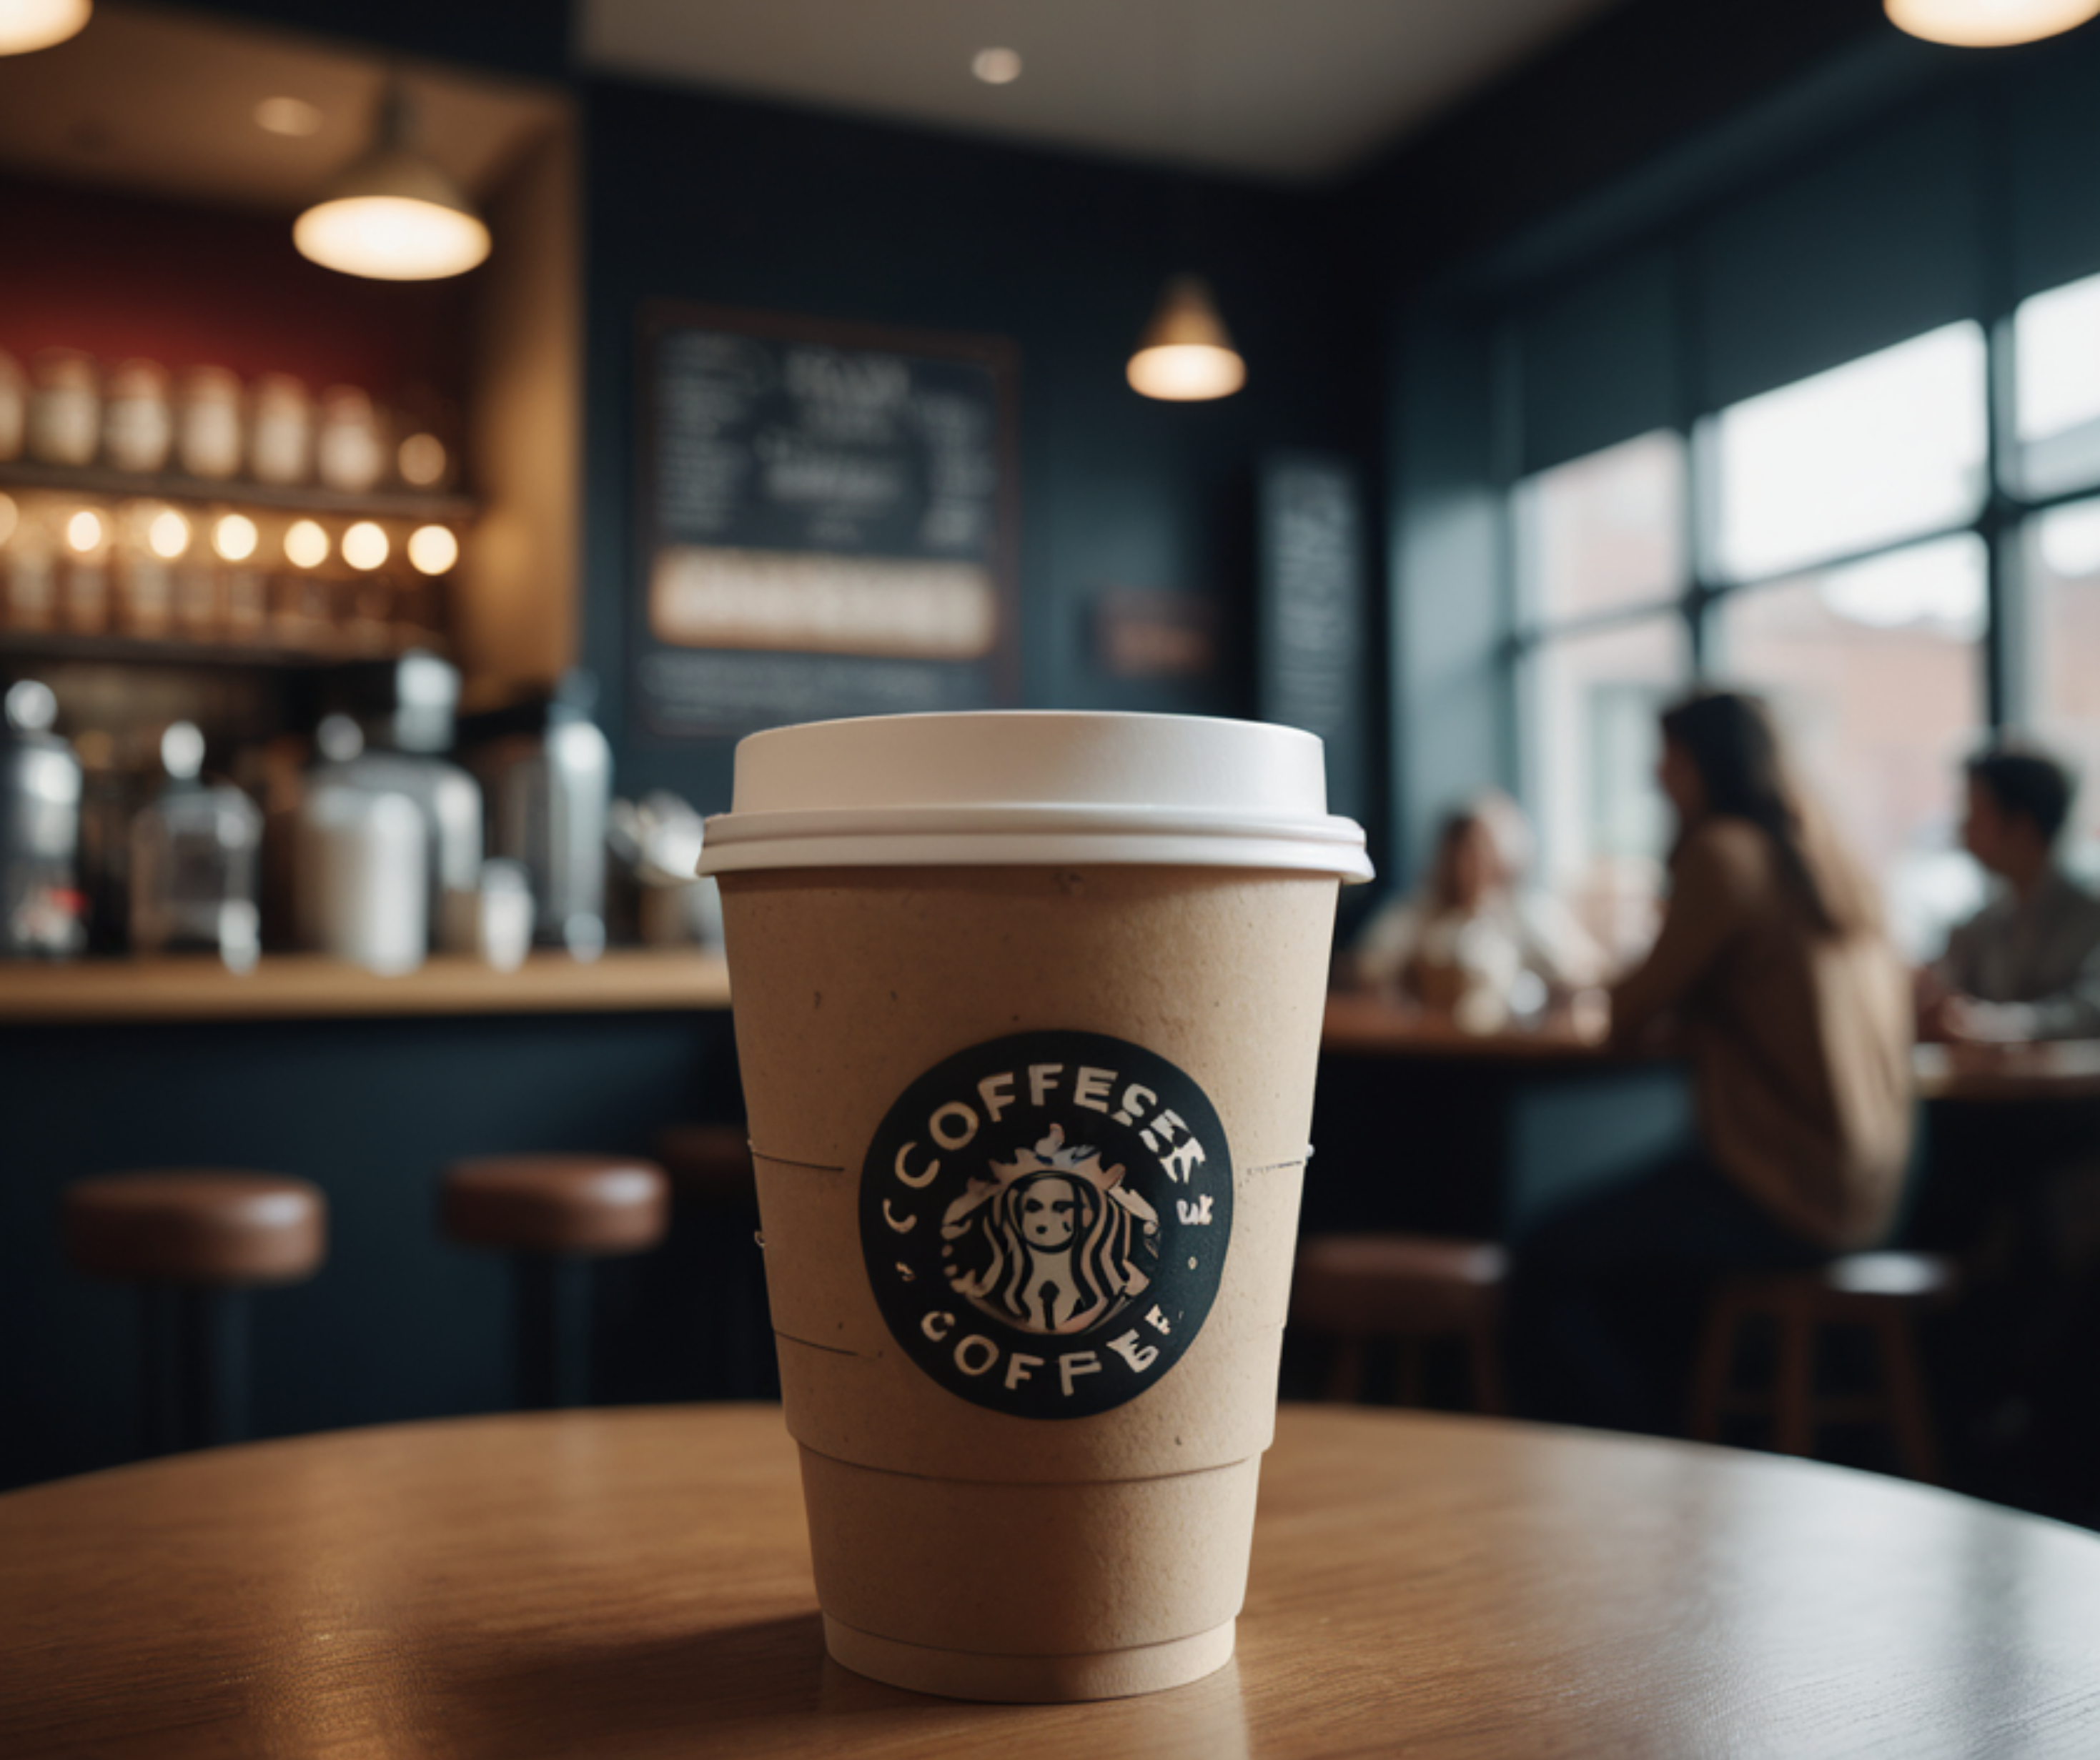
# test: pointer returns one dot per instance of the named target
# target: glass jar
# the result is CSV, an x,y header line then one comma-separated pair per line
x,y
350,452
208,422
137,419
14,406
196,855
280,430
66,407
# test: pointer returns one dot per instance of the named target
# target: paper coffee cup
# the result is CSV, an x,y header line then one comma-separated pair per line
x,y
1028,1009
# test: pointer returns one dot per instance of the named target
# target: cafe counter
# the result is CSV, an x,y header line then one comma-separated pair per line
x,y
309,987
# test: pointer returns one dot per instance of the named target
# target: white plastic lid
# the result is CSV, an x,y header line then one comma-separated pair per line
x,y
1030,787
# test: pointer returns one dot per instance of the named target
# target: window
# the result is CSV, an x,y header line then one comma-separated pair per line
x,y
1601,572
1874,668
1882,448
2061,569
1604,532
1603,827
2056,391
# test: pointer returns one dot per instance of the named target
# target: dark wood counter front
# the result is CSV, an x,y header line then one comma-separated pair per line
x,y
306,987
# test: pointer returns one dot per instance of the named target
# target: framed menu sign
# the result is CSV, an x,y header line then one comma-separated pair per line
x,y
827,522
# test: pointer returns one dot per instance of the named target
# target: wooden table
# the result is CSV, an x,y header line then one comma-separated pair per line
x,y
635,1583
2067,1069
1370,1025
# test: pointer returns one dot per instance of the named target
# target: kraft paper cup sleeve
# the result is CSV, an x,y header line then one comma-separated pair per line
x,y
1017,1570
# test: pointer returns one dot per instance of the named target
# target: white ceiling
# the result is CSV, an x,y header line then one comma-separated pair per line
x,y
1290,90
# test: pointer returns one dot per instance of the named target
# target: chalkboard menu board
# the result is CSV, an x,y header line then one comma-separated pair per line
x,y
827,522
1313,570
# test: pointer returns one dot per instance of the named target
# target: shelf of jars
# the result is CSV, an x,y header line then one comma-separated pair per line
x,y
202,520
249,574
102,483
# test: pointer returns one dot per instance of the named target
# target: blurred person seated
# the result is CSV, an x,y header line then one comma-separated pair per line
x,y
1469,944
2026,966
1772,971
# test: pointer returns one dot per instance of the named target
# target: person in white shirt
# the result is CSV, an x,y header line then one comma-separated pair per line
x,y
1470,943
2026,966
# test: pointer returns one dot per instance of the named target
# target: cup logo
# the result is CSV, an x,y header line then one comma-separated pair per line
x,y
1045,1219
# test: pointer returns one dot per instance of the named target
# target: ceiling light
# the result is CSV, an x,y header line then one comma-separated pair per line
x,y
393,216
364,546
306,544
1184,355
997,67
84,532
1988,23
432,549
9,516
27,24
234,537
288,115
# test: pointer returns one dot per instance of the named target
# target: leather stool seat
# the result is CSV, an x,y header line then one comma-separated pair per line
x,y
195,1225
194,1240
712,1162
1878,1291
1409,1290
554,1212
584,1204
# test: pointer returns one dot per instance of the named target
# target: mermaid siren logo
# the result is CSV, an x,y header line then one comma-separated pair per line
x,y
1045,1219
1053,1242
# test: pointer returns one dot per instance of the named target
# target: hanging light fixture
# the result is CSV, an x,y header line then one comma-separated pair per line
x,y
1184,355
393,216
27,24
1988,23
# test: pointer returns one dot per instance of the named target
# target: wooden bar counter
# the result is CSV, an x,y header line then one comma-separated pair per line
x,y
307,987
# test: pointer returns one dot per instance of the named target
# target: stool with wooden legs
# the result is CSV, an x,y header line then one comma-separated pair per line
x,y
1880,1293
194,1241
1409,1291
555,1213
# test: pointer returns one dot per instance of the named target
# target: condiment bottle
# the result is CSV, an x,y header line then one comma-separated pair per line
x,y
137,422
208,422
14,406
195,855
281,431
65,409
349,452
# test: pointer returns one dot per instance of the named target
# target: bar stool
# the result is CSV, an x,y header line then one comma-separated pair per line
x,y
194,1240
1410,1290
1879,1291
715,1188
555,1213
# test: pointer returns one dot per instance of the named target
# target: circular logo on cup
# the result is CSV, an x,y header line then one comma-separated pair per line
x,y
1045,1219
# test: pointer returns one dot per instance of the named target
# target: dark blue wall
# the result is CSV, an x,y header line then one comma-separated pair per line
x,y
748,205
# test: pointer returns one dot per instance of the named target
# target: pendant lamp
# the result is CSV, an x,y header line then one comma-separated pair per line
x,y
27,24
1184,355
1988,23
393,216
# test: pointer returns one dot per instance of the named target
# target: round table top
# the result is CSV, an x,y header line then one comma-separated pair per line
x,y
637,1583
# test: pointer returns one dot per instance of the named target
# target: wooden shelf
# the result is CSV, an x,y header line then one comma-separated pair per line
x,y
306,987
101,482
178,650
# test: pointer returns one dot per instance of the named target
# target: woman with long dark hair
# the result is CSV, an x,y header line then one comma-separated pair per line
x,y
1793,1009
